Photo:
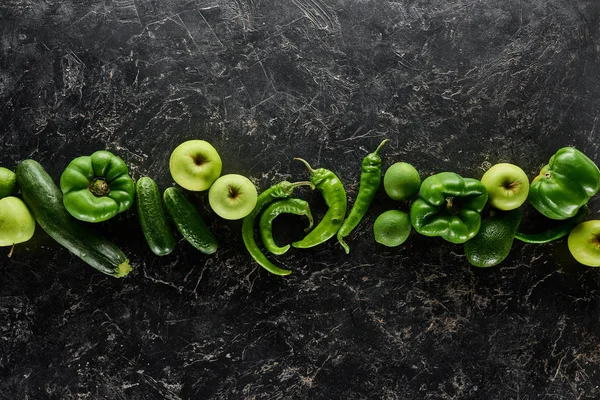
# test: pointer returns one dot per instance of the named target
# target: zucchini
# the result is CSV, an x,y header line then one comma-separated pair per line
x,y
45,201
188,221
153,218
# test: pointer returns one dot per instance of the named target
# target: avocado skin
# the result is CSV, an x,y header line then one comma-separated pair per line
x,y
494,240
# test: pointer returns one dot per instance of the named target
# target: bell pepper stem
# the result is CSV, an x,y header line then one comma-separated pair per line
x,y
451,207
99,187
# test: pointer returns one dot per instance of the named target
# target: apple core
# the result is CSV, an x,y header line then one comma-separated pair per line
x,y
195,165
199,159
232,196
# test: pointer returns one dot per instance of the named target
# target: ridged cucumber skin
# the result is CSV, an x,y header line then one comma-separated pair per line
x,y
188,221
153,218
493,242
45,201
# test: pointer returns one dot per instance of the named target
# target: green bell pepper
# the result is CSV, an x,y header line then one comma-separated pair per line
x,y
97,187
565,184
449,206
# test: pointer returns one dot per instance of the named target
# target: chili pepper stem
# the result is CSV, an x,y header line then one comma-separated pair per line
x,y
340,239
380,146
302,183
310,169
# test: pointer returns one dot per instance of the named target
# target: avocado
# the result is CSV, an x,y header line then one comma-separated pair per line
x,y
494,240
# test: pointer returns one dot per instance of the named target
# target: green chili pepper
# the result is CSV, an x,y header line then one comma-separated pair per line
x,y
334,194
287,206
97,187
280,190
557,232
370,178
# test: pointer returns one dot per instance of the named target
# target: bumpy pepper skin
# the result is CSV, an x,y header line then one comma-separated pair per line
x,y
449,206
97,187
565,184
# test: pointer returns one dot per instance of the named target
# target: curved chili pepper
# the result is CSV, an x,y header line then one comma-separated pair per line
x,y
287,206
370,178
557,232
334,194
280,190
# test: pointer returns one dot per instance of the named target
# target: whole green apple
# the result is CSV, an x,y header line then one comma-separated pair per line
x,y
584,243
195,165
16,222
507,186
232,196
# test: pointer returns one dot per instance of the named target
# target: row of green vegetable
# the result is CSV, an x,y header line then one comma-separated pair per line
x,y
95,188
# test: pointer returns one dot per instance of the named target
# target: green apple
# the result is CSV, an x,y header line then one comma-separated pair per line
x,y
195,165
584,243
16,222
232,196
507,186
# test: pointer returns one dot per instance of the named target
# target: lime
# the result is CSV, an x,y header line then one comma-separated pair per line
x,y
392,228
401,181
8,182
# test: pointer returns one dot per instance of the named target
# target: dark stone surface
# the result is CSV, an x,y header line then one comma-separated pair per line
x,y
456,85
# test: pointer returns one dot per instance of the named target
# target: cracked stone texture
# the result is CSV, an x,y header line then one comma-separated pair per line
x,y
455,85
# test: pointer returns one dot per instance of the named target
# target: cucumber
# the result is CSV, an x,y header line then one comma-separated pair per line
x,y
153,218
45,201
494,240
188,221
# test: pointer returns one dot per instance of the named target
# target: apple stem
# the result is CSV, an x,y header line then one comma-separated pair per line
x,y
11,250
199,159
310,169
596,240
513,185
233,191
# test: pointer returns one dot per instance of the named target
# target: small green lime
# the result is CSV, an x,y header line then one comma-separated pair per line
x,y
8,182
392,228
401,181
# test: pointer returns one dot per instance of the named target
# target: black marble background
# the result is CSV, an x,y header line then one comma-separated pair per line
x,y
457,85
